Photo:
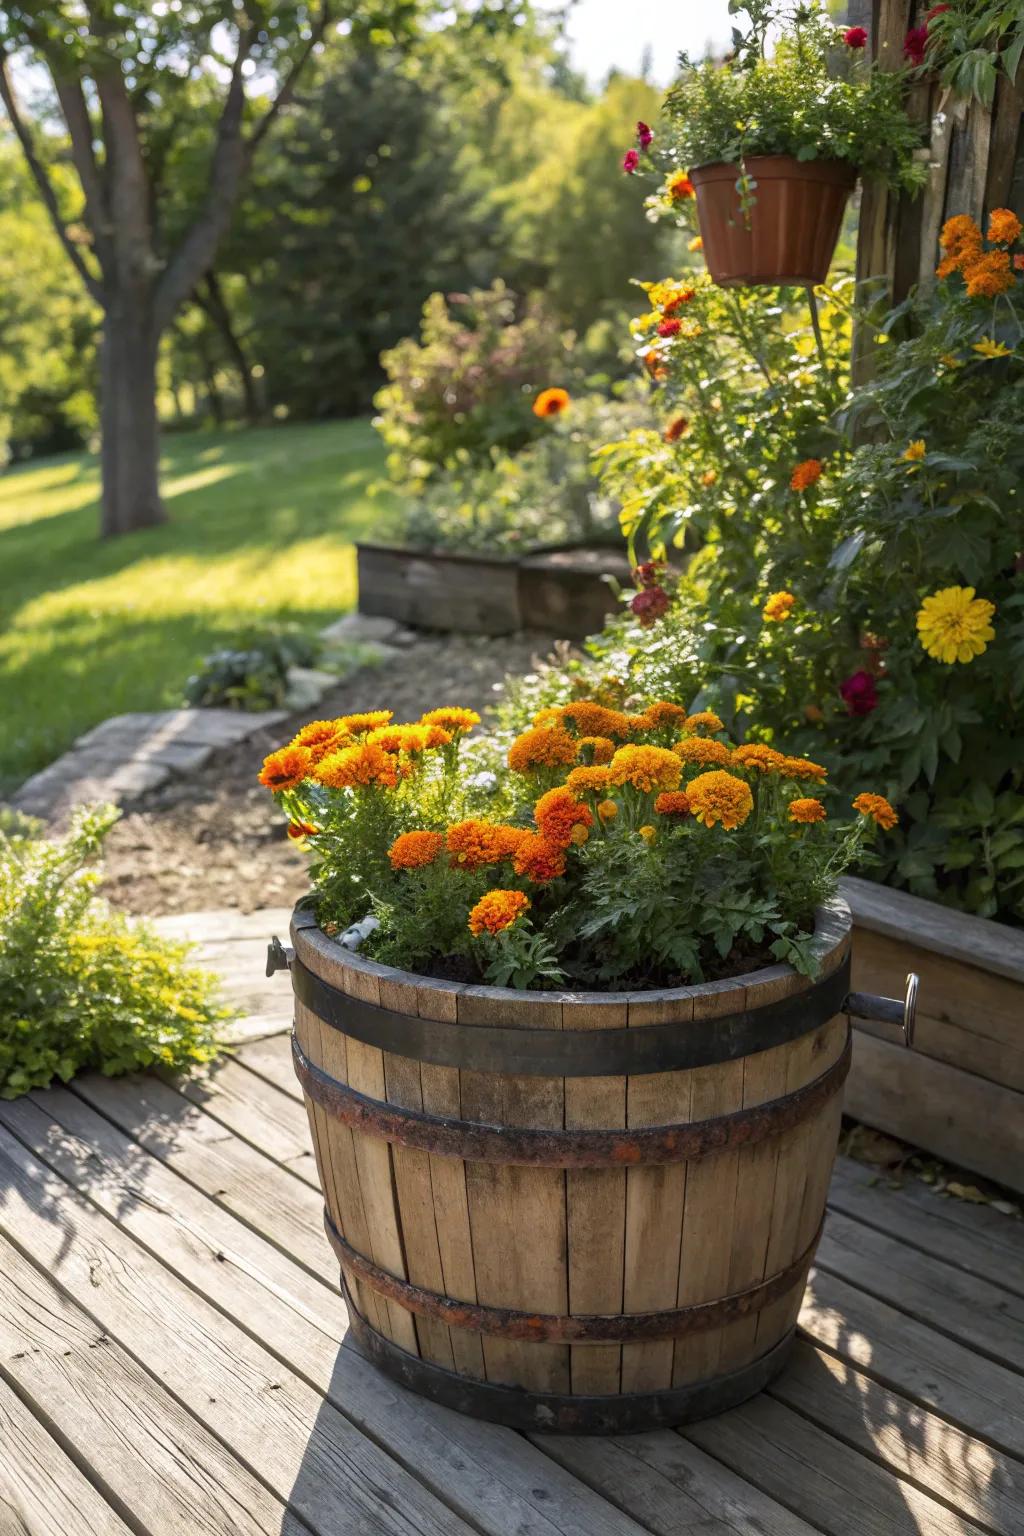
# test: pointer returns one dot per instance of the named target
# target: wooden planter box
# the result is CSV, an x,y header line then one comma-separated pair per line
x,y
513,1243
960,1092
559,591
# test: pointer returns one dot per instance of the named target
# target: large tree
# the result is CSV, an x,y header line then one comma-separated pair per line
x,y
122,78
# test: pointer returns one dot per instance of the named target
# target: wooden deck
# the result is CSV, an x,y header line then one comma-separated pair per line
x,y
174,1362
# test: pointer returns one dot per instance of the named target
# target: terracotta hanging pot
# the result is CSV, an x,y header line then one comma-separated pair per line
x,y
788,236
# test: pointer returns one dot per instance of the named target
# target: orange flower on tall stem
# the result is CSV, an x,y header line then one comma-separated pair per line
x,y
551,402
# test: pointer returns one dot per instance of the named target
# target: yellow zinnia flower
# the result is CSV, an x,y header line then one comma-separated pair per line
x,y
954,625
990,348
777,607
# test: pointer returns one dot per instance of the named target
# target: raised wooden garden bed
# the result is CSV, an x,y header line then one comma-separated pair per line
x,y
560,592
960,1092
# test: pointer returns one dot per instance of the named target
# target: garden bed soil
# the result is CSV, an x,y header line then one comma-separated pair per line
x,y
216,838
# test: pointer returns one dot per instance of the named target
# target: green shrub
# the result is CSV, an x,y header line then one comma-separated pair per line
x,y
81,988
253,673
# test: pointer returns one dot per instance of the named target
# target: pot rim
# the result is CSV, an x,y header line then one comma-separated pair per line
x,y
833,925
800,170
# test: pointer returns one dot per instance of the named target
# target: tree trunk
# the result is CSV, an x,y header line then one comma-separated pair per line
x,y
128,420
216,306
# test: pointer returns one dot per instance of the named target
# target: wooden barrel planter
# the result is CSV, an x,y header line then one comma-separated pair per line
x,y
585,1212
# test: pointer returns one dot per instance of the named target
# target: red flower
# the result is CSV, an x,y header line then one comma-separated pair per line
x,y
630,161
914,45
650,605
860,695
646,575
676,429
644,136
936,10
670,327
855,37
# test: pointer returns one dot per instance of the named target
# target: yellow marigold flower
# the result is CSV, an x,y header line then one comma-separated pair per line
x,y
592,719
915,451
285,768
878,808
756,755
989,275
705,721
673,803
806,811
546,746
558,814
777,607
411,850
320,737
954,625
451,718
538,859
1004,227
550,716
664,712
551,402
607,810
358,766
648,833
646,768
359,725
802,768
806,474
595,749
589,780
497,910
990,348
696,244
474,843
719,796
699,749
679,187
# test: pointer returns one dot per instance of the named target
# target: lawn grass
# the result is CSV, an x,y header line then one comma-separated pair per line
x,y
261,529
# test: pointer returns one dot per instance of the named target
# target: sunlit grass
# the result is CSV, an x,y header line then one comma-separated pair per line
x,y
261,529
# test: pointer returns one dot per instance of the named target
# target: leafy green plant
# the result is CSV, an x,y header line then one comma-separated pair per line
x,y
972,45
80,987
253,673
813,96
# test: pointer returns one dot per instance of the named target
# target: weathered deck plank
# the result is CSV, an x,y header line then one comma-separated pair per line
x,y
42,1492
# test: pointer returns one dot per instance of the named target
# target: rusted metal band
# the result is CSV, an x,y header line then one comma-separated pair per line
x,y
579,1328
670,1047
616,1413
520,1145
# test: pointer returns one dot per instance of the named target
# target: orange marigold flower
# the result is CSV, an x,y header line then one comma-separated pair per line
x,y
474,843
320,737
702,750
805,475
777,607
359,725
878,808
709,478
550,716
592,719
696,244
719,796
1004,227
411,850
409,738
675,803
705,721
359,766
595,749
538,859
962,242
676,429
299,829
546,746
756,755
285,768
802,768
646,768
607,810
679,187
589,780
551,402
989,275
451,718
806,811
560,816
497,911
663,712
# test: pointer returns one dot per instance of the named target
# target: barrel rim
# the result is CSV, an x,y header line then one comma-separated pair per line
x,y
833,927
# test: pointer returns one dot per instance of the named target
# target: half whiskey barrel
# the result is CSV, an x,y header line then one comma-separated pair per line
x,y
588,1212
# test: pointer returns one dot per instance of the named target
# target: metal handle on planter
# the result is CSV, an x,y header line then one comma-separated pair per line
x,y
888,1010
279,957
